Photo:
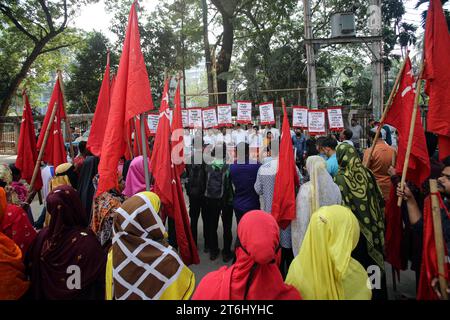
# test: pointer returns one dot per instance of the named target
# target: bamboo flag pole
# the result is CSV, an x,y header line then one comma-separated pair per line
x,y
411,132
144,151
388,106
438,238
68,130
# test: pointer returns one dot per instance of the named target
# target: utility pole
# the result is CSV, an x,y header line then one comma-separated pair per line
x,y
310,59
377,62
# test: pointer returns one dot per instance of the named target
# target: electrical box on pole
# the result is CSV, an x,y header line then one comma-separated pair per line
x,y
343,25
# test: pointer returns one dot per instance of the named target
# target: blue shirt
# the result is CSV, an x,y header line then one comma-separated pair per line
x,y
243,177
332,165
300,144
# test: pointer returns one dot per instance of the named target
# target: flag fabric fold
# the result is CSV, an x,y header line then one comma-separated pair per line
x,y
399,116
429,268
26,151
437,74
167,184
283,204
131,96
97,132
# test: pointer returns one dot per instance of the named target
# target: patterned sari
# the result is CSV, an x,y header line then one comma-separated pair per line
x,y
362,195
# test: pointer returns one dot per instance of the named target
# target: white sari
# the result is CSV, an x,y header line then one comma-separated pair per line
x,y
319,191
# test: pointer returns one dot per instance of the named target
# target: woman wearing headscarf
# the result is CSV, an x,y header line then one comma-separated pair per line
x,y
15,224
13,282
255,274
142,263
6,180
65,251
361,194
64,175
135,177
86,188
324,268
319,191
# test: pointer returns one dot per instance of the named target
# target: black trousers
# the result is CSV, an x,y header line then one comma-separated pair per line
x,y
286,258
197,207
214,210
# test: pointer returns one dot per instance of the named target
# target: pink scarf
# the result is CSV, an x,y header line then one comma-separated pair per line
x,y
135,179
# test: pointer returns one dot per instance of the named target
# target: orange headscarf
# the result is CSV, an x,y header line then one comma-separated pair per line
x,y
13,283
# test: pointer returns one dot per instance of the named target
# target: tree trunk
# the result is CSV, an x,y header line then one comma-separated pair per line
x,y
224,56
209,75
7,97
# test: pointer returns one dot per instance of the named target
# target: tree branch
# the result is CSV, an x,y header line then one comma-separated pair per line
x,y
57,48
64,24
47,15
7,11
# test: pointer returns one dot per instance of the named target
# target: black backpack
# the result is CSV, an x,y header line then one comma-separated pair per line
x,y
215,182
196,180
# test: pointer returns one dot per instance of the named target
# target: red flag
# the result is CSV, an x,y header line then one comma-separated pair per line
x,y
95,140
168,185
131,96
437,74
283,204
177,132
399,116
26,151
55,151
429,268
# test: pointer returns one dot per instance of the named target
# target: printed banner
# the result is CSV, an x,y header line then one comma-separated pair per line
x,y
185,118
266,114
244,112
153,119
335,120
224,115
209,118
195,118
316,122
299,117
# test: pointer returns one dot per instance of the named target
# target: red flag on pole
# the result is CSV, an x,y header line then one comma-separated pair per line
x,y
168,185
437,74
283,204
95,140
399,116
131,96
177,132
429,268
26,151
55,151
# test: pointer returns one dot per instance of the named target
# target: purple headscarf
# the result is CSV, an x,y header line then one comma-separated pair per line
x,y
135,179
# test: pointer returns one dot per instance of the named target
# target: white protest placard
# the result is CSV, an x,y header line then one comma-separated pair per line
x,y
244,112
266,114
153,119
195,118
224,115
299,117
185,118
335,120
209,118
316,122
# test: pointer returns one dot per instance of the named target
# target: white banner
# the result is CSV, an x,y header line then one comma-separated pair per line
x,y
224,115
335,119
266,114
300,117
316,122
153,120
209,118
244,112
185,118
195,118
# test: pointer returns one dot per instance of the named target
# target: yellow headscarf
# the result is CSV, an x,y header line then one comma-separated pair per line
x,y
324,268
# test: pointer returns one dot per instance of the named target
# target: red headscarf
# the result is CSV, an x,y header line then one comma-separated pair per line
x,y
255,275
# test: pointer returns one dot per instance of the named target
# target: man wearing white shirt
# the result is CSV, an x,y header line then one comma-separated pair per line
x,y
255,139
239,135
209,138
187,141
346,137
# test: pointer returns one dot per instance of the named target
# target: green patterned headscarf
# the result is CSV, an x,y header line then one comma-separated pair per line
x,y
362,195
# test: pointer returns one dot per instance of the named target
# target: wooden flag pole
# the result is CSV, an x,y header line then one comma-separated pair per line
x,y
411,132
41,151
438,238
68,130
388,106
144,151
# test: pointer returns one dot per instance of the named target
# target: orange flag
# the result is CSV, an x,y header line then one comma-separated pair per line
x,y
131,96
98,127
26,152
